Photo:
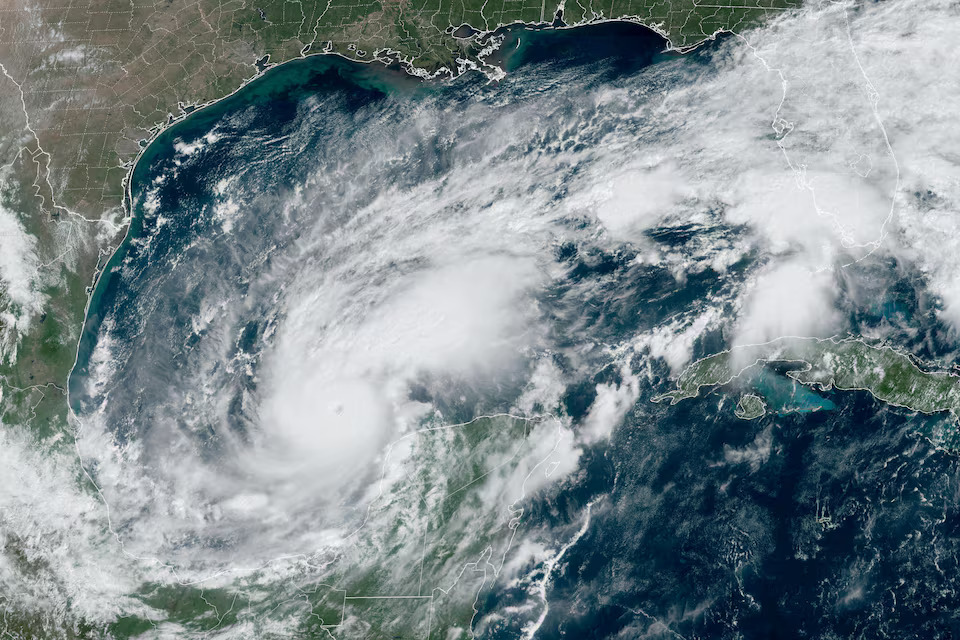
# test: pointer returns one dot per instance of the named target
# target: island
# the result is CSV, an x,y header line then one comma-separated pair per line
x,y
750,407
845,364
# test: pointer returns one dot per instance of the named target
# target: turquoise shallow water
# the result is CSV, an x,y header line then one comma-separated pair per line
x,y
785,395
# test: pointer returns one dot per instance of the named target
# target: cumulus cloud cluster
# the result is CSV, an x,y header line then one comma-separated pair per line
x,y
58,549
825,134
20,295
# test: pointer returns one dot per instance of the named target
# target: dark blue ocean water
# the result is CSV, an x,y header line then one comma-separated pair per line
x,y
835,522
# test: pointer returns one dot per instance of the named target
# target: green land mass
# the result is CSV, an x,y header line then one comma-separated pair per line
x,y
850,364
750,407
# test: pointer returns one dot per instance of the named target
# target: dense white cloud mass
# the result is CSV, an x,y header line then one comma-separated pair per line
x,y
333,396
612,403
19,264
59,532
635,198
828,134
789,300
20,296
866,131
